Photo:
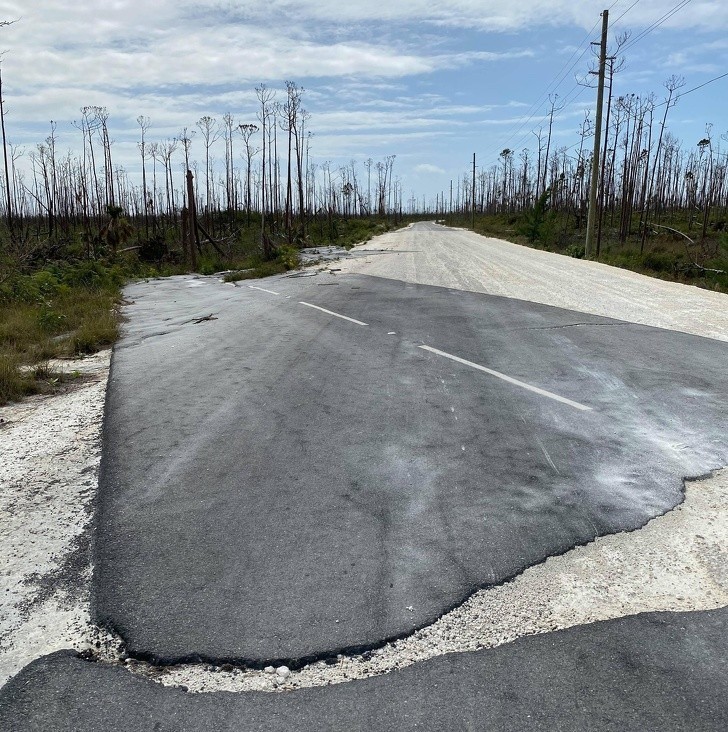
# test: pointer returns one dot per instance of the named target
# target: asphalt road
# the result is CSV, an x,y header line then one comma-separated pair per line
x,y
658,671
284,483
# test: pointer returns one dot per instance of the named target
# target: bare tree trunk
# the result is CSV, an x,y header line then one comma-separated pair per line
x,y
672,84
193,237
548,138
265,97
8,188
642,228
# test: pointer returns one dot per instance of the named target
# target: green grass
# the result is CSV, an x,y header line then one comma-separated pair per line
x,y
60,311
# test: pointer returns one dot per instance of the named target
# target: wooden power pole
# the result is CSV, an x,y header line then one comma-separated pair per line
x,y
592,215
473,196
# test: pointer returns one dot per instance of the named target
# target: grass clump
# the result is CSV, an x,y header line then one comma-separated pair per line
x,y
255,266
59,311
14,383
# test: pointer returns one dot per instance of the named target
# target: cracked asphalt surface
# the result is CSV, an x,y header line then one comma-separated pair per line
x,y
282,483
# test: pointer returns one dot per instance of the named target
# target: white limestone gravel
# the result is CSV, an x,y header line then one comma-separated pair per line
x,y
50,451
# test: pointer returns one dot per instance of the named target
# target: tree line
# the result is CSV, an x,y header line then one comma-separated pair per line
x,y
245,172
648,180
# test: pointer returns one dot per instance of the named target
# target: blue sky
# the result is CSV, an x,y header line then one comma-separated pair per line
x,y
430,84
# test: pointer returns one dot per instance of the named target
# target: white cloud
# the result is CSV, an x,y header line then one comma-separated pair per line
x,y
375,70
428,169
174,63
498,15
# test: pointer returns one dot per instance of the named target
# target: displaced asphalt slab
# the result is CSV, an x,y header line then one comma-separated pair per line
x,y
284,483
657,671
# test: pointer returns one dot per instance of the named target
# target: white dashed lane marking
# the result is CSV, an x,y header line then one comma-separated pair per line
x,y
465,362
331,312
509,379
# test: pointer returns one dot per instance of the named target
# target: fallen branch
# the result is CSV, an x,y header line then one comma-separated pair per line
x,y
705,269
210,239
674,231
693,263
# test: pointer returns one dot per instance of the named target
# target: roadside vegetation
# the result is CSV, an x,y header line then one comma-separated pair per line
x,y
60,310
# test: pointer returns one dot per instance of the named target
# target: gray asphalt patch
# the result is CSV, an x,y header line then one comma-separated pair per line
x,y
280,485
663,671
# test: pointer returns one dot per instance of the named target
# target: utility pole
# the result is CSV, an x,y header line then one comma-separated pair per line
x,y
592,215
473,196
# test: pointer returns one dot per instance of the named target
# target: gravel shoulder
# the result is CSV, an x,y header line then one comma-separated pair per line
x,y
50,448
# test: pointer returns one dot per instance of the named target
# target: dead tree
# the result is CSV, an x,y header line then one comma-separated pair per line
x,y
8,187
672,85
144,123
247,131
210,134
265,97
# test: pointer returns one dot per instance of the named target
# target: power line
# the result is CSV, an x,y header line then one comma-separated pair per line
x,y
616,20
695,88
568,99
700,86
657,23
559,78
556,83
662,104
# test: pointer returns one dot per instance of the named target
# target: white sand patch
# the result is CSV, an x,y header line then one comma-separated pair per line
x,y
49,456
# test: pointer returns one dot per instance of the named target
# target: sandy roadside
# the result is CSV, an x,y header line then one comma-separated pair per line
x,y
50,451
50,448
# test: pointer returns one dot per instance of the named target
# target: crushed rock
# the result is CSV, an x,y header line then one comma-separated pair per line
x,y
50,449
467,261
